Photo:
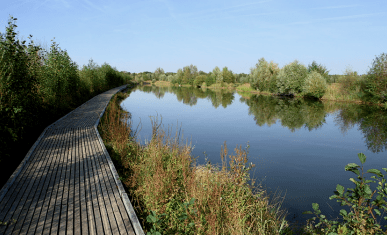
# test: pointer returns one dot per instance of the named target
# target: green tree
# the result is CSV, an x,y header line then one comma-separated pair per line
x,y
263,76
218,74
315,85
228,76
158,72
19,100
291,78
319,68
375,84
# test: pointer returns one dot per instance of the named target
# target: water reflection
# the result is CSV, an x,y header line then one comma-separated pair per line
x,y
293,113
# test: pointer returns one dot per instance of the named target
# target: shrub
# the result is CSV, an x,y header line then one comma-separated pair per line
x,y
18,86
375,84
217,74
61,79
365,208
263,76
210,79
315,85
291,78
322,70
199,80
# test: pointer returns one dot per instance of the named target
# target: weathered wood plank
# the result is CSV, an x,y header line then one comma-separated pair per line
x,y
52,174
121,217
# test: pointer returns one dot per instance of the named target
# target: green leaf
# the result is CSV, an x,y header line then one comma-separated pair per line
x,y
353,180
367,190
377,212
343,212
192,201
315,206
376,172
340,189
385,169
351,165
353,168
307,212
362,157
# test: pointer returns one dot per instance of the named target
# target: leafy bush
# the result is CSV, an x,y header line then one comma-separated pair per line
x,y
315,85
365,208
210,79
291,78
60,79
217,74
350,82
228,76
263,76
18,87
375,84
199,80
319,68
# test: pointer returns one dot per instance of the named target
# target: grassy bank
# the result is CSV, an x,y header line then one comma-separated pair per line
x,y
172,195
335,91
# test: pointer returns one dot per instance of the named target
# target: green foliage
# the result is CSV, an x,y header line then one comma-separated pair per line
x,y
264,76
350,82
211,79
315,85
291,78
228,76
375,84
199,80
365,204
178,214
60,79
19,97
319,68
217,74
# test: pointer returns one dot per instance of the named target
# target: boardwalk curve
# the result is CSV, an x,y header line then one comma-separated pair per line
x,y
67,183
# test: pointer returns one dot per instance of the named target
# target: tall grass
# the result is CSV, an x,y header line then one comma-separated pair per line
x,y
173,195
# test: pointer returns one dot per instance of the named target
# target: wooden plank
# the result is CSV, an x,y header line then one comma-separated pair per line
x,y
36,207
65,188
104,187
99,191
77,200
93,203
52,218
83,187
53,172
119,211
28,185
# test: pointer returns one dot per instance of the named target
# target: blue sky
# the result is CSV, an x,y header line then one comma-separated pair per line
x,y
138,36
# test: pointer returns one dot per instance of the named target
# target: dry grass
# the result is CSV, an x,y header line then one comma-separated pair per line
x,y
162,84
336,92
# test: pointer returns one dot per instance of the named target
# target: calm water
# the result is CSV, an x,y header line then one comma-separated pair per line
x,y
299,147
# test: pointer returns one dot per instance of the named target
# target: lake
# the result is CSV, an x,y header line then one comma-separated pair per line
x,y
300,147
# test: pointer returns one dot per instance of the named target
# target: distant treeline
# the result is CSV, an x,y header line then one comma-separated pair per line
x,y
292,79
38,86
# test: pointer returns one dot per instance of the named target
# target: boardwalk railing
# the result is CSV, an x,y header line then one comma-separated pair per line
x,y
67,183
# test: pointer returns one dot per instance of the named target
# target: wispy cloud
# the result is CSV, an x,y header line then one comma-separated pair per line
x,y
94,6
337,18
335,7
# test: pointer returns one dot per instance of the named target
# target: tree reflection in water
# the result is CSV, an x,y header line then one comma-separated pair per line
x,y
293,113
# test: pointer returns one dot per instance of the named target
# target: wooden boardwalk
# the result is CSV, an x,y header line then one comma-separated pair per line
x,y
67,183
